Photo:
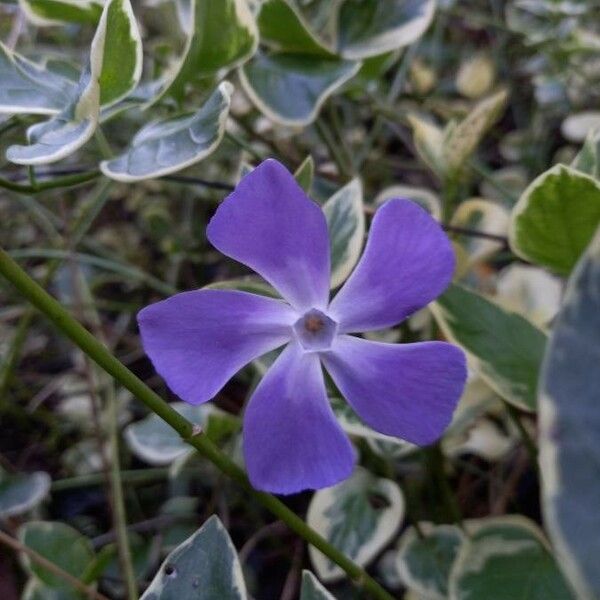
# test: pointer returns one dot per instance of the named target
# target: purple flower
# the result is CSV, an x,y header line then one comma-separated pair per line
x,y
292,440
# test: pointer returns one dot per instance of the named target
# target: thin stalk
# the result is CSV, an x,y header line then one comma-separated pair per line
x,y
80,228
244,145
334,150
525,436
37,558
111,462
134,476
189,433
59,182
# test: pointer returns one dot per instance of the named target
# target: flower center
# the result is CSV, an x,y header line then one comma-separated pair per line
x,y
315,330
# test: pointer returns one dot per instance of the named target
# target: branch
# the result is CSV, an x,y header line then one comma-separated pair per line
x,y
54,311
17,546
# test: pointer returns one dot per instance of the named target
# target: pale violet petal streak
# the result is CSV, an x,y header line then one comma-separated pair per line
x,y
404,390
292,441
198,340
407,263
269,224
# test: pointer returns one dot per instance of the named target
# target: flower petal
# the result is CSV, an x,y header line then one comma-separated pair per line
x,y
406,390
198,340
292,441
407,263
269,224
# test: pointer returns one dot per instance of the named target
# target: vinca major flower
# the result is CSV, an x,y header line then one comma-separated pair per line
x,y
292,441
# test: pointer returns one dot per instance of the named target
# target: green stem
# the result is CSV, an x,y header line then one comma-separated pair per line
x,y
40,186
335,152
244,145
97,352
140,476
80,228
525,436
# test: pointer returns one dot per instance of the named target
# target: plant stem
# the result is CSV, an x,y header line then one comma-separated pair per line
x,y
141,476
17,546
525,436
59,182
188,432
244,145
328,139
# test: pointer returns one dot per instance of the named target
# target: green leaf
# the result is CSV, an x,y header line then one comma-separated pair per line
x,y
358,516
291,88
221,35
569,421
345,217
506,557
28,88
555,218
167,146
305,173
68,131
588,159
115,62
370,27
21,492
60,544
424,563
505,348
204,567
56,12
283,27
462,140
154,442
122,53
312,589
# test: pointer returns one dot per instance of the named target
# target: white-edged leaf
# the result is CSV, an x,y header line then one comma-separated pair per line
x,y
313,589
122,53
569,425
204,567
28,88
56,12
283,27
305,173
167,146
506,557
481,215
68,131
291,88
427,199
154,442
345,217
20,492
588,158
221,35
429,141
358,516
248,283
368,28
504,348
60,544
555,218
464,138
115,45
424,563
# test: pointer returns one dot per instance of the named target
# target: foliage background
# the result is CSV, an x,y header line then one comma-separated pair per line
x,y
485,112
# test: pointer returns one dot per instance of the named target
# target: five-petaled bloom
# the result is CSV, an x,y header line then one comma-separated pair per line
x,y
198,340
